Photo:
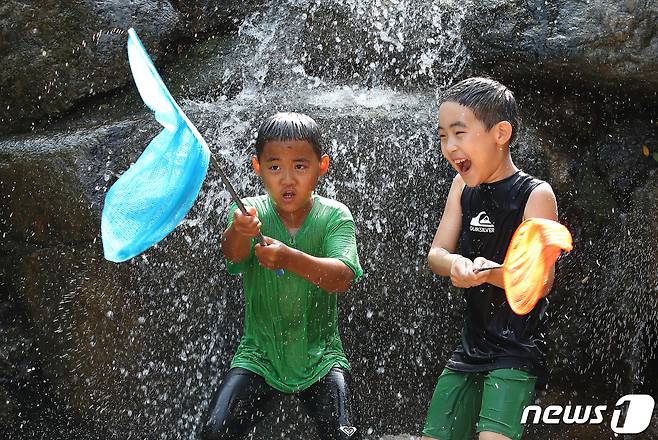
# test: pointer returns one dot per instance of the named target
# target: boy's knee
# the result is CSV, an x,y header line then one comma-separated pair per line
x,y
342,433
488,435
330,430
213,432
220,430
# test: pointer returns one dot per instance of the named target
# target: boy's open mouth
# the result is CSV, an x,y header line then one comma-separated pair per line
x,y
288,195
463,165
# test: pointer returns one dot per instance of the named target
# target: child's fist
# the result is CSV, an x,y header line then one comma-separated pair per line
x,y
247,225
273,255
464,275
482,263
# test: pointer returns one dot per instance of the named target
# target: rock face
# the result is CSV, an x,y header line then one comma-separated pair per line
x,y
55,54
611,44
91,349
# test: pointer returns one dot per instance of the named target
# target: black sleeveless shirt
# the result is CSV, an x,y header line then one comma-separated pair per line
x,y
494,336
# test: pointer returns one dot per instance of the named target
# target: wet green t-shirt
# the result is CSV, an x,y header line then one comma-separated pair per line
x,y
291,325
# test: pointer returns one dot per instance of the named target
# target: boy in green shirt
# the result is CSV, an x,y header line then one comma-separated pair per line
x,y
291,342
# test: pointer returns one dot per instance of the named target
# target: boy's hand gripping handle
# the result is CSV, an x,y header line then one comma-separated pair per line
x,y
236,199
482,269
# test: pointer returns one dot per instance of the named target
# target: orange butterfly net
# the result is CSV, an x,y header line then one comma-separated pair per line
x,y
534,248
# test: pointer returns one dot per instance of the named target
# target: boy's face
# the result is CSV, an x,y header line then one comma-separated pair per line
x,y
290,171
472,150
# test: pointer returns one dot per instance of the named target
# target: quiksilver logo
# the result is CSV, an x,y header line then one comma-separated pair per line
x,y
481,223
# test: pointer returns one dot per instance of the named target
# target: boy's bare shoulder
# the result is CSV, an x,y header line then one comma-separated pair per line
x,y
543,191
458,182
541,202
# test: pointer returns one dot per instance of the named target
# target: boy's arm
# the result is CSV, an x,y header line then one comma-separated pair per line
x,y
541,204
236,239
330,274
441,257
337,267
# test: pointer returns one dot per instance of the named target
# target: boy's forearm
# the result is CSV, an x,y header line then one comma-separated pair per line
x,y
495,278
329,274
236,247
440,261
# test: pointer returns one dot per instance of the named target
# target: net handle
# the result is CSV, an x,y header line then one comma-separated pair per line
x,y
236,199
483,269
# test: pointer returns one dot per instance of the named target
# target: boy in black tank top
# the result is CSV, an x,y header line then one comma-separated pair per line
x,y
491,375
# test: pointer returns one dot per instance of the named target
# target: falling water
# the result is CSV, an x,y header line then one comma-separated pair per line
x,y
175,318
139,348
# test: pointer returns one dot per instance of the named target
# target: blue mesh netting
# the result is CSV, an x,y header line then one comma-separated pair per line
x,y
151,198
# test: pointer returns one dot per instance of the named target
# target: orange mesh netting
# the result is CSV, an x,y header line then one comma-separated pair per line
x,y
534,248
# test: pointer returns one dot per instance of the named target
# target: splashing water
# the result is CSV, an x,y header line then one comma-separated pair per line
x,y
145,345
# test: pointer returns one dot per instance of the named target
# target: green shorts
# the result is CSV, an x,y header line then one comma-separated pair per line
x,y
494,399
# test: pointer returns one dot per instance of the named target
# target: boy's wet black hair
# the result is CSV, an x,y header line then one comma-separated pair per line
x,y
287,127
489,100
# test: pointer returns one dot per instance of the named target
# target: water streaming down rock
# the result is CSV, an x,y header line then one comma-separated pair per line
x,y
135,350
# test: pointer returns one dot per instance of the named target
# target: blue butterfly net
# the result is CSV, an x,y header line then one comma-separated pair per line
x,y
152,197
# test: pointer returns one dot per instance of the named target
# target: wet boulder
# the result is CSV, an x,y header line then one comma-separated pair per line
x,y
56,54
609,44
